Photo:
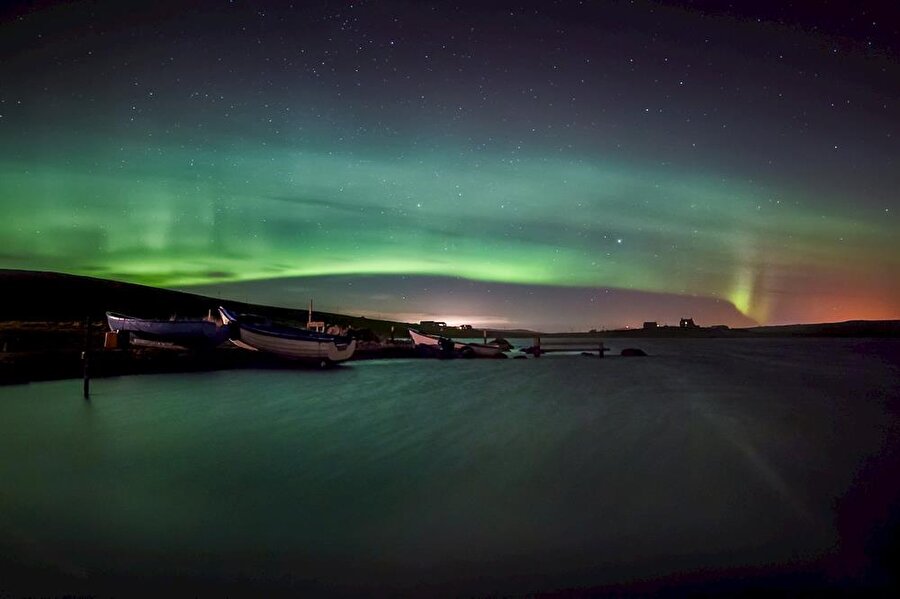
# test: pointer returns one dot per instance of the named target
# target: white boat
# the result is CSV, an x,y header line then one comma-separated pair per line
x,y
483,350
288,342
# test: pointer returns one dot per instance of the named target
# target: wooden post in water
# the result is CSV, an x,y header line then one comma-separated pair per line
x,y
485,336
537,347
86,358
602,349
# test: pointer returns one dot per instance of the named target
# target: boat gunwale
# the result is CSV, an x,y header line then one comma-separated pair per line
x,y
120,316
293,334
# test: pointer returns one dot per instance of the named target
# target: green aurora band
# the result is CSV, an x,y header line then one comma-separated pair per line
x,y
175,216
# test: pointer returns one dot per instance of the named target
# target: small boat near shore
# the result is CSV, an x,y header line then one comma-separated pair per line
x,y
481,350
183,332
287,342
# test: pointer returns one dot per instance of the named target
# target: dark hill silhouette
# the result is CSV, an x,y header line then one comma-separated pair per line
x,y
50,296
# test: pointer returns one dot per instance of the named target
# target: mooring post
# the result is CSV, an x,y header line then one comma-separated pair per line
x,y
537,347
484,334
87,376
86,358
602,349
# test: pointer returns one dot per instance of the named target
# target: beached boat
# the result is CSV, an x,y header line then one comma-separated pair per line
x,y
483,350
184,332
287,342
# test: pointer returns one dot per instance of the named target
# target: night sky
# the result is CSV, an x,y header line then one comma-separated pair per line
x,y
543,164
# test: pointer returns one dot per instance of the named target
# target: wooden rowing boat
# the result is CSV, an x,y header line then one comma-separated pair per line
x,y
287,342
483,350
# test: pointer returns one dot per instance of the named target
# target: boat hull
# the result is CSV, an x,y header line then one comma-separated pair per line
x,y
188,332
298,349
295,344
480,350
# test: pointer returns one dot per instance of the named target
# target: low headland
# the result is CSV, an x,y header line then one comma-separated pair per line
x,y
44,329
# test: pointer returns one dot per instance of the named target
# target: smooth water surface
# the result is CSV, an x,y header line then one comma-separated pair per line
x,y
465,476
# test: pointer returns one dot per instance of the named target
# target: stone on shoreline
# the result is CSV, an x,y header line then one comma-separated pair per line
x,y
633,351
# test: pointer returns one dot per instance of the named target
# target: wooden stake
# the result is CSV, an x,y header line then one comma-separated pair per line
x,y
86,358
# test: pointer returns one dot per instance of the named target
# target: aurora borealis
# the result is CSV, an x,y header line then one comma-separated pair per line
x,y
597,152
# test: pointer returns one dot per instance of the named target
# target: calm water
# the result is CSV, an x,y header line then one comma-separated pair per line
x,y
775,458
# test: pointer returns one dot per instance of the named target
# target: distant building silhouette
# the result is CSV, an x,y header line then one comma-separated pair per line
x,y
650,324
687,323
465,327
433,323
